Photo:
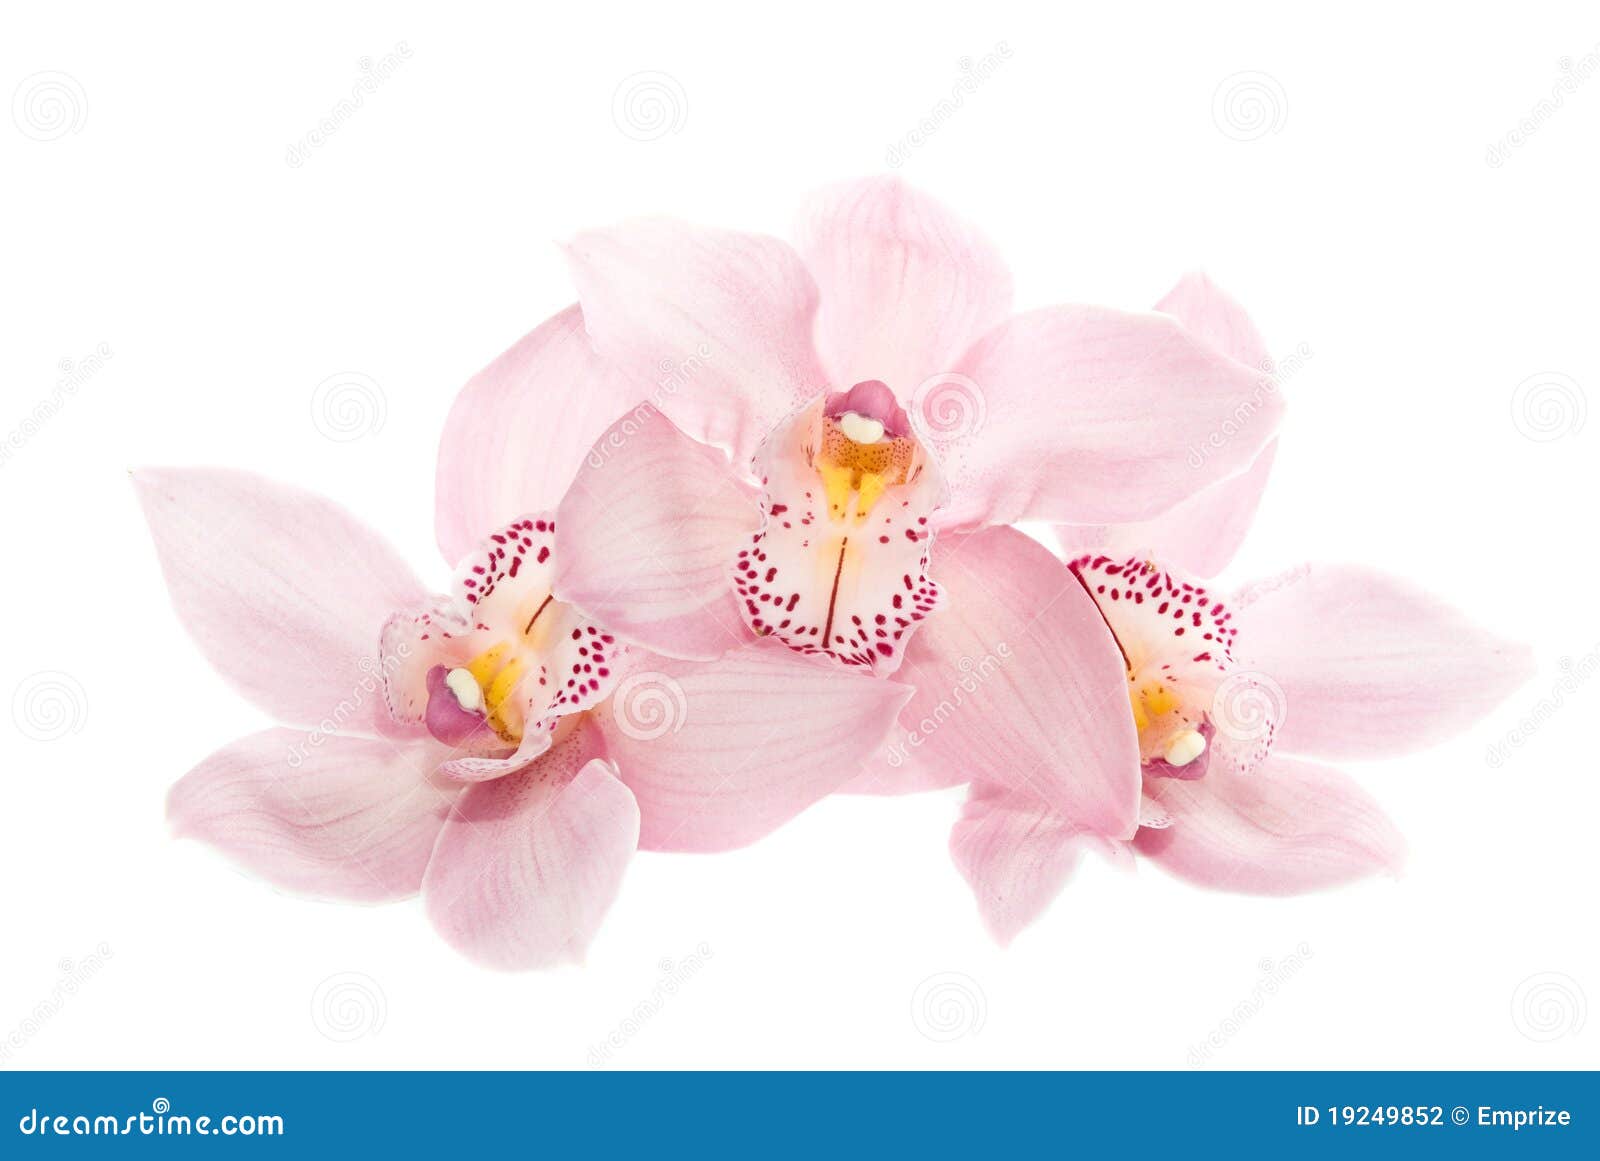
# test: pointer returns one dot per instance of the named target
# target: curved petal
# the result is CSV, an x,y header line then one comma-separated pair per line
x,y
1084,415
521,427
1290,827
894,769
724,318
646,538
324,815
906,286
1203,532
1016,854
527,867
721,753
285,593
1370,666
1019,683
1215,316
1200,535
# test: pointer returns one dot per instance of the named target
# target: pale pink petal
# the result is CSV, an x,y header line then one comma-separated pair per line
x,y
1086,415
1020,684
895,769
285,593
1370,666
520,428
720,753
1290,827
647,535
528,865
475,766
329,816
1216,317
720,321
906,285
1016,853
1202,533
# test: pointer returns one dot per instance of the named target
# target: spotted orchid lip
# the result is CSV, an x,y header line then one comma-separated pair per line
x,y
500,661
1176,640
839,566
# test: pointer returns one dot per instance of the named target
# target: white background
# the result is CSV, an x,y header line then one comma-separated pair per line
x,y
1361,218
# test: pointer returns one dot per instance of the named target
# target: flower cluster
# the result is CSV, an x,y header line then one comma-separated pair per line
x,y
728,535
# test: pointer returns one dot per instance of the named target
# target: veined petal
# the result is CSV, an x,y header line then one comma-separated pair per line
x,y
1017,854
329,816
648,534
1085,415
727,316
906,286
1216,317
1370,666
1201,533
527,867
1020,684
1290,827
521,427
285,592
720,753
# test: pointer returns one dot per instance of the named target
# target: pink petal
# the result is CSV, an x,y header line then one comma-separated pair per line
x,y
1290,827
894,769
1085,415
1016,854
1019,683
1200,535
1370,666
1203,532
720,321
528,865
285,593
520,429
1213,315
906,285
330,816
647,536
721,753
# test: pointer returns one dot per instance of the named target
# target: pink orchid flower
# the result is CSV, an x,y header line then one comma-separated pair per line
x,y
492,747
798,422
1194,703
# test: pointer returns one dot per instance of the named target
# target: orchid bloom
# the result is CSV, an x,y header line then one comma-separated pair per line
x,y
767,438
491,747
1201,699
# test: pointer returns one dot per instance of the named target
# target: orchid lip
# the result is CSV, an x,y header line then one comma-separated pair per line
x,y
502,659
840,564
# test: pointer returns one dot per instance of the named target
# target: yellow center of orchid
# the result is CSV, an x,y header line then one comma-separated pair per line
x,y
857,459
488,683
1164,730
